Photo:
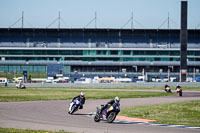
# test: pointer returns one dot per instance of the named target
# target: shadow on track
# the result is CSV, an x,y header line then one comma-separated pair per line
x,y
79,114
120,122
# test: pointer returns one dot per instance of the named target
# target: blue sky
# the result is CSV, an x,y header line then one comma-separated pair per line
x,y
110,13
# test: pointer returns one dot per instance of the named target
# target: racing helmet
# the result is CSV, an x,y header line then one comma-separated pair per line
x,y
117,99
82,94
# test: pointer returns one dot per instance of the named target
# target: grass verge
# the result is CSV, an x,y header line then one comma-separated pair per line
x,y
12,130
127,88
7,95
182,113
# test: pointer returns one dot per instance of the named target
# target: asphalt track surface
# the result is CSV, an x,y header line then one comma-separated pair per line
x,y
52,115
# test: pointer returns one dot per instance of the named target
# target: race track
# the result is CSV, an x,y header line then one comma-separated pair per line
x,y
52,115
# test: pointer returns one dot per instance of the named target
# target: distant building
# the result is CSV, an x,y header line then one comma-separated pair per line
x,y
96,50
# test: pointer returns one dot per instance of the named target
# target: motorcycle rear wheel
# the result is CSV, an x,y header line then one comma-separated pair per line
x,y
180,94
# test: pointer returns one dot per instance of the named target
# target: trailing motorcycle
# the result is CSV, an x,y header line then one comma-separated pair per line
x,y
74,106
108,113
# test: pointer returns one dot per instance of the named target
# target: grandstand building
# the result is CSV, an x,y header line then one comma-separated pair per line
x,y
96,50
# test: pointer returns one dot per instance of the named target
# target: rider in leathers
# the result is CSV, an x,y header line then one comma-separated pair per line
x,y
111,102
81,99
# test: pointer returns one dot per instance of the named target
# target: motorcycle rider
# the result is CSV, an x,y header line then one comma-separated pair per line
x,y
178,87
166,85
167,88
111,102
179,90
20,85
81,99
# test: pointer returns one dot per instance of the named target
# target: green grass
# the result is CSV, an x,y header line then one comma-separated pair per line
x,y
182,113
146,88
131,88
7,95
12,130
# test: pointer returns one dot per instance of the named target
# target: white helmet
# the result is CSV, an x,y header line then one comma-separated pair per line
x,y
117,99
82,94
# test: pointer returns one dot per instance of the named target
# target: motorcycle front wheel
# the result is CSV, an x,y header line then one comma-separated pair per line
x,y
111,117
73,109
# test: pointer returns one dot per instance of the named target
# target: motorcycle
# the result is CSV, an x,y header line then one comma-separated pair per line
x,y
108,113
168,90
74,106
179,92
20,86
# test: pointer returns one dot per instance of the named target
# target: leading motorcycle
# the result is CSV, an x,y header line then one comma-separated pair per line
x,y
74,106
109,114
168,90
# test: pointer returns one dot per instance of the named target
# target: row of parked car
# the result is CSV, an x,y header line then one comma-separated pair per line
x,y
97,79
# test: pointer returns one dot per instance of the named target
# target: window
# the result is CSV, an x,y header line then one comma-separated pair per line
x,y
127,52
52,52
114,52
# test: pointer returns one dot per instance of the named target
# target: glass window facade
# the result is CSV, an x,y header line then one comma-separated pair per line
x,y
21,68
95,55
